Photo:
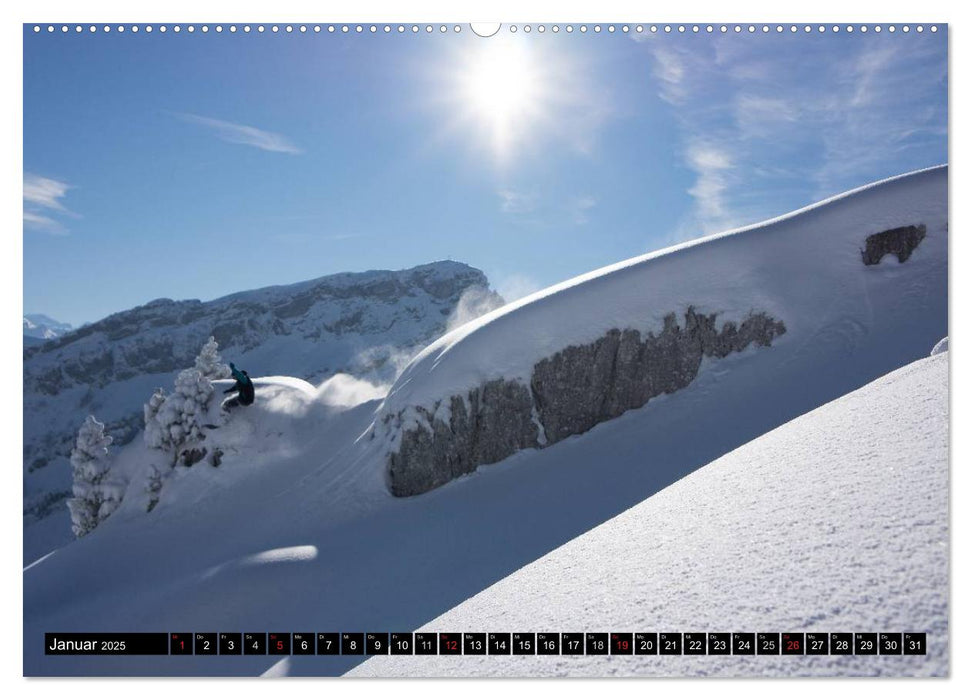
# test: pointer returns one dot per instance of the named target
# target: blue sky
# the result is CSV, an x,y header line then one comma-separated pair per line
x,y
192,166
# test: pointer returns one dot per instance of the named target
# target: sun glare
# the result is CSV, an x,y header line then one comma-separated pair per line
x,y
501,90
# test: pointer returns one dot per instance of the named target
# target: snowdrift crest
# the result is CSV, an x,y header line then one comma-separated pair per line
x,y
826,287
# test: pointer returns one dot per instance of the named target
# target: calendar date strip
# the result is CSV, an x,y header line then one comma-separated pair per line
x,y
486,643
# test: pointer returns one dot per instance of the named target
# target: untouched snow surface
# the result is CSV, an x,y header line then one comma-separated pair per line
x,y
804,269
835,522
296,529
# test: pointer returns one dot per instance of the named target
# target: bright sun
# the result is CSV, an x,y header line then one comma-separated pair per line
x,y
502,91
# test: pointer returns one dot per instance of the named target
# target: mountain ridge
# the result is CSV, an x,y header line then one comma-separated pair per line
x,y
365,323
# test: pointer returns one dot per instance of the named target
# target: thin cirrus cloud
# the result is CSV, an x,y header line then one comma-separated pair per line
x,y
581,207
770,125
513,202
522,206
243,134
712,166
43,205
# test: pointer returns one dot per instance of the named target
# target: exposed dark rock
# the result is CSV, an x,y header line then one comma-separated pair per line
x,y
296,307
46,504
225,333
38,463
192,455
488,424
583,385
50,380
897,241
94,364
569,393
346,324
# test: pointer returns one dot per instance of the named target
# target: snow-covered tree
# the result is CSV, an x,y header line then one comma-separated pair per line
x,y
210,363
95,495
158,437
175,419
174,422
193,392
154,435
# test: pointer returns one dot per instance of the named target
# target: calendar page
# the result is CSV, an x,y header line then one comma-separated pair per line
x,y
528,349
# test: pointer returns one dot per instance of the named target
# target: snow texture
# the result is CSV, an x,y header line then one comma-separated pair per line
x,y
834,522
809,257
296,529
848,319
365,324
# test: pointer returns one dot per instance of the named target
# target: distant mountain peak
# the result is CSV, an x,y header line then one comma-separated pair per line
x,y
42,327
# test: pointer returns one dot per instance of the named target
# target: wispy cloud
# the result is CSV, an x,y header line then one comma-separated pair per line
x,y
40,222
545,210
712,166
243,134
513,202
755,113
43,202
44,191
669,70
775,122
580,209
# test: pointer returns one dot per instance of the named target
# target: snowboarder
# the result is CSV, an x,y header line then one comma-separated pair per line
x,y
243,385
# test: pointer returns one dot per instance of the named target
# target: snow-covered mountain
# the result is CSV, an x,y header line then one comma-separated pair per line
x,y
366,324
519,432
766,538
39,328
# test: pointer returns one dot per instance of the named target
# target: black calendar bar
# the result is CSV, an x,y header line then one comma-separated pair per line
x,y
106,644
487,643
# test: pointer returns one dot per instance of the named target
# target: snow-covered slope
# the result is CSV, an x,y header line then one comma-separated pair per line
x,y
367,323
298,530
810,305
835,522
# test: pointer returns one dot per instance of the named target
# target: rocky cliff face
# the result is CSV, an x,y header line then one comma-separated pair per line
x,y
362,323
568,393
899,241
486,425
